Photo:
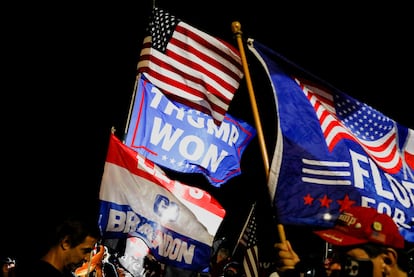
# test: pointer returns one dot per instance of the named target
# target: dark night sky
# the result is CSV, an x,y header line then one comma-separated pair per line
x,y
69,73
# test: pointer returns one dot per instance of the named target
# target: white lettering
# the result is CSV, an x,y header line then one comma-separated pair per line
x,y
185,146
156,100
378,182
359,172
212,159
165,134
226,132
190,147
367,202
168,246
116,222
198,123
132,222
169,109
149,168
402,192
410,189
399,191
175,249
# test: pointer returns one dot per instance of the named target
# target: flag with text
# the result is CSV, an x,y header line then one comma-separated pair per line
x,y
333,151
178,222
183,139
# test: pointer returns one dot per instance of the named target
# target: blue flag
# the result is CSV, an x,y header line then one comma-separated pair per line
x,y
183,139
333,152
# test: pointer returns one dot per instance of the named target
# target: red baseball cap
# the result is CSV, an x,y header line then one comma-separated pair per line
x,y
358,225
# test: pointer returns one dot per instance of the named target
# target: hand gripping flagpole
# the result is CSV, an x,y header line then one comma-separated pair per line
x,y
236,28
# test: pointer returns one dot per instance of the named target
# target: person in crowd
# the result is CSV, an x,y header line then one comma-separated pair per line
x,y
332,267
365,243
8,267
222,257
69,247
234,269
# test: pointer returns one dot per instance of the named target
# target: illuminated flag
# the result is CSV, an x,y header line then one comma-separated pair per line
x,y
176,221
189,65
183,139
347,118
333,151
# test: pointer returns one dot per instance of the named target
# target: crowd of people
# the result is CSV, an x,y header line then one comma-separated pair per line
x,y
363,242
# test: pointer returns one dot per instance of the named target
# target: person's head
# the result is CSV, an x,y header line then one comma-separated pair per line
x,y
8,266
367,243
332,266
223,255
73,242
234,269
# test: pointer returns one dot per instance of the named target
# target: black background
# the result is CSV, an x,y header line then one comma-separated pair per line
x,y
68,77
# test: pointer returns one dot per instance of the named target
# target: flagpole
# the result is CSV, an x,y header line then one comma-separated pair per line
x,y
236,28
130,106
244,228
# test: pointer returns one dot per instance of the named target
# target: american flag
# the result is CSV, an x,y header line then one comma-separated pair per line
x,y
190,66
331,151
249,241
342,117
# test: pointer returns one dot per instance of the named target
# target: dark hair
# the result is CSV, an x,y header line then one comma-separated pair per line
x,y
76,230
234,269
374,250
